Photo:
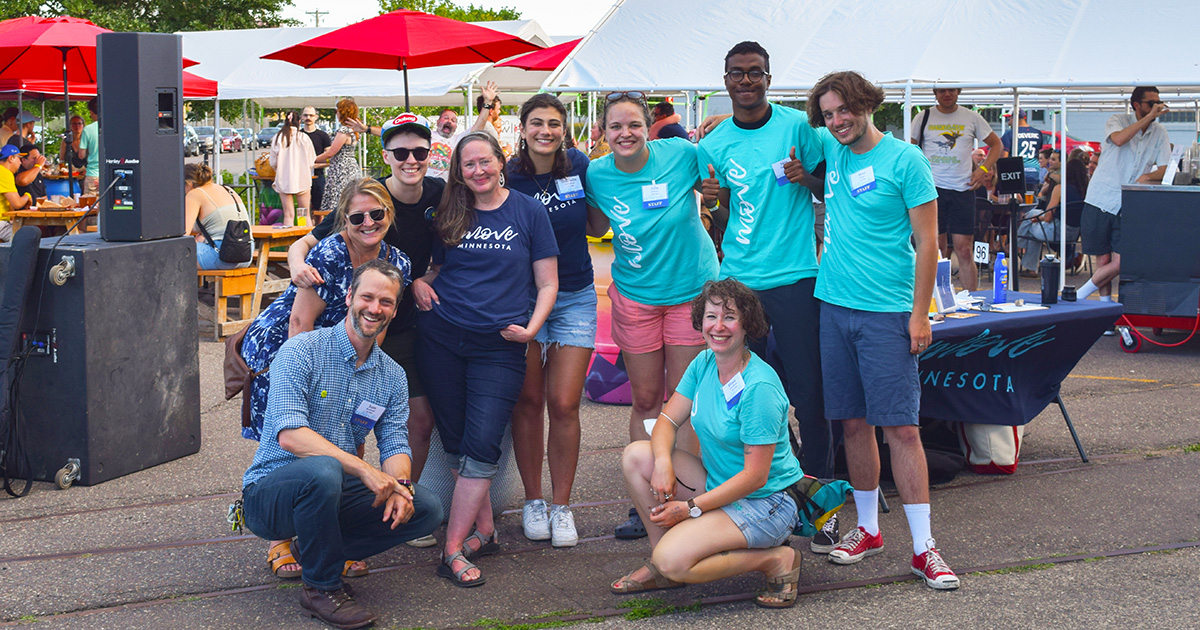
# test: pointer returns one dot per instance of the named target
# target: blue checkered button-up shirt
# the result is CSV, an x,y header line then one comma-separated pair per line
x,y
315,384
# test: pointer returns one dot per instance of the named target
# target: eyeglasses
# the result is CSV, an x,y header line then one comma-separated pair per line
x,y
1152,103
616,96
358,217
76,124
401,153
754,75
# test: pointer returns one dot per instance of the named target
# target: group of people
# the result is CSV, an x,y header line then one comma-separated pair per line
x,y
312,169
1081,194
481,290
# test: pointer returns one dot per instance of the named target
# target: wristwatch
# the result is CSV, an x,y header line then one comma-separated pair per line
x,y
407,483
694,510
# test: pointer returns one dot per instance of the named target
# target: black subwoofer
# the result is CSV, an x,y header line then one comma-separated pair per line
x,y
119,387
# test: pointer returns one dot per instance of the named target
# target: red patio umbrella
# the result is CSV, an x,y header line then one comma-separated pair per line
x,y
401,40
194,86
545,59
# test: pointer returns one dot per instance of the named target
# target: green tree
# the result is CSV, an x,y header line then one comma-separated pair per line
x,y
446,8
159,16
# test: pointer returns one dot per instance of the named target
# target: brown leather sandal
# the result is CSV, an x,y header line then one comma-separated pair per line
x,y
279,556
657,581
778,587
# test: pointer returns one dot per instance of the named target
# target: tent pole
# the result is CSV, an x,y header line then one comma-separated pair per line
x,y
67,122
216,168
1012,236
906,115
245,149
43,125
1062,196
404,67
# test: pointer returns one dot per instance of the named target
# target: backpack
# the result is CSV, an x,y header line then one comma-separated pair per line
x,y
237,246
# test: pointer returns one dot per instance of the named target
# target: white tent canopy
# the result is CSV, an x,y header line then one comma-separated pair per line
x,y
1079,45
231,58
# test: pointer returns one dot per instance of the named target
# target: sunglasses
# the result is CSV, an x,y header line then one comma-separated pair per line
x,y
1152,103
616,96
358,217
401,154
754,75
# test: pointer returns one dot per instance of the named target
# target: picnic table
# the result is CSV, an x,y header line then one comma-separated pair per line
x,y
236,283
49,218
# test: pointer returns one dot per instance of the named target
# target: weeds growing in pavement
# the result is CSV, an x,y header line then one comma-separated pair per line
x,y
1192,448
1021,569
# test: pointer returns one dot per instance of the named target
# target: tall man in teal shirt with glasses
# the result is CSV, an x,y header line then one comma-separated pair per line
x,y
759,167
880,201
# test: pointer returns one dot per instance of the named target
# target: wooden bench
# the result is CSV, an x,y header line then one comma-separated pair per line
x,y
239,283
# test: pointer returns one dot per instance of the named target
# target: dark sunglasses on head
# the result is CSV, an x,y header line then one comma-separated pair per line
x,y
401,153
754,75
358,217
616,96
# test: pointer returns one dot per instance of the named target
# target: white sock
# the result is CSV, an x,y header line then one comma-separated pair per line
x,y
1105,298
918,524
1087,289
866,503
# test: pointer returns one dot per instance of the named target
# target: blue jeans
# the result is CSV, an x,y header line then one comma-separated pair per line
x,y
330,514
795,317
473,381
209,257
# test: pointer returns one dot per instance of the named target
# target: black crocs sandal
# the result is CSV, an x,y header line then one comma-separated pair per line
x,y
631,529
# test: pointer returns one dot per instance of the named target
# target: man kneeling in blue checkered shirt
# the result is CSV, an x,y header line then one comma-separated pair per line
x,y
329,389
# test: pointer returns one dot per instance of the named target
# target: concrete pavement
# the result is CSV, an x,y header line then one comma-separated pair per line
x,y
1113,542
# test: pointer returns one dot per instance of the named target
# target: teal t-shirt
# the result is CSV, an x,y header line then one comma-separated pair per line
x,y
758,416
662,254
769,240
868,262
89,141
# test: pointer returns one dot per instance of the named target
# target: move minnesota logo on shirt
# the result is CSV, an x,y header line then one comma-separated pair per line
x,y
486,238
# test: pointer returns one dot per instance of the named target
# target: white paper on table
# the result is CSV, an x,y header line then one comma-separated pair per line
x,y
1173,165
1010,307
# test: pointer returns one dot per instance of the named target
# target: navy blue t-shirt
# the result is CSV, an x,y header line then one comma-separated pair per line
x,y
673,130
568,218
486,281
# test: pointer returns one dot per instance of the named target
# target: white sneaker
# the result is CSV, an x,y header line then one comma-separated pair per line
x,y
423,542
534,520
562,527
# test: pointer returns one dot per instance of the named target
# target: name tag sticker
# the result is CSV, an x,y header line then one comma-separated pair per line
x,y
862,181
654,196
733,390
569,188
367,414
777,168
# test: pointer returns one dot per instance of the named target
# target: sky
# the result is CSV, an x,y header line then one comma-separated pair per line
x,y
558,22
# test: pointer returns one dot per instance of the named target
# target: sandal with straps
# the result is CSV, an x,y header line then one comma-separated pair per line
x,y
783,589
279,556
657,581
487,546
445,569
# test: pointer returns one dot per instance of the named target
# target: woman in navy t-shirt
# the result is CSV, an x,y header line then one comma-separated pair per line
x,y
556,362
495,252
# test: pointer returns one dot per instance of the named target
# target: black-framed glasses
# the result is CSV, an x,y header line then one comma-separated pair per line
x,y
401,153
1152,103
358,217
616,96
754,75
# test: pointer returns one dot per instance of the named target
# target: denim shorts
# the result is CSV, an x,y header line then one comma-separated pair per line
x,y
572,322
765,522
867,368
209,257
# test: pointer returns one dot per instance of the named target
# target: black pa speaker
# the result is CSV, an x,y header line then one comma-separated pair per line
x,y
113,377
140,79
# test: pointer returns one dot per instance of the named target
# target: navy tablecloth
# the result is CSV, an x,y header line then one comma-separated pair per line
x,y
1004,368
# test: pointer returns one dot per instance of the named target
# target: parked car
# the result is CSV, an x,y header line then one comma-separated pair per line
x,y
191,141
1051,139
247,135
206,138
230,140
266,135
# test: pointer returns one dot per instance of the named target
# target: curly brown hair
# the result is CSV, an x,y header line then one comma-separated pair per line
x,y
860,95
744,300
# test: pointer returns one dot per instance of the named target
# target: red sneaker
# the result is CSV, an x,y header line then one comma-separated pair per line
x,y
855,546
934,569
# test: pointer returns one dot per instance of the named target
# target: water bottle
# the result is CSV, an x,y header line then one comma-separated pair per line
x,y
1049,271
1000,280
